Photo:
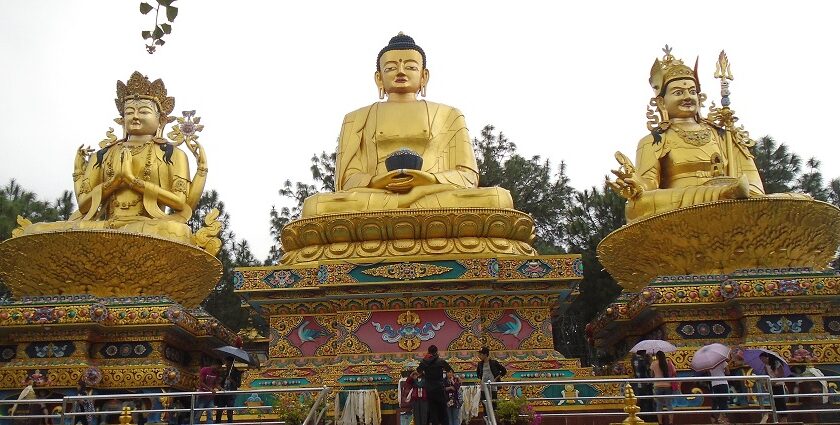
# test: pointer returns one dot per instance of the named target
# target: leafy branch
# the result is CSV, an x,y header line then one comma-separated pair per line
x,y
155,36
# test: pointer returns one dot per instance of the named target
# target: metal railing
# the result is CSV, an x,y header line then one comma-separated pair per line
x,y
764,398
65,417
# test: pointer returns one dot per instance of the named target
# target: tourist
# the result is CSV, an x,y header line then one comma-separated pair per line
x,y
737,367
489,370
663,367
720,386
433,369
418,398
231,380
774,367
208,381
641,369
454,398
84,405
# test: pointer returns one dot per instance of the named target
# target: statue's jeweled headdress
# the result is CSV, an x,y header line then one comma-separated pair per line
x,y
140,87
670,69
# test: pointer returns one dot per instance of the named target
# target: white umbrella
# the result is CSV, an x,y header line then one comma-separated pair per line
x,y
709,357
235,352
651,346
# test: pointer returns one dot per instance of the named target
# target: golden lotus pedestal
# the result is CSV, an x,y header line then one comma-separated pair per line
x,y
749,273
408,234
360,297
109,307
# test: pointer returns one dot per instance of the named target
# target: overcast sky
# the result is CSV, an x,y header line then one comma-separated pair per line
x,y
272,80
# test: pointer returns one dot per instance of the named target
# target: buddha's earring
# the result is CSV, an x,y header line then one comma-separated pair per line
x,y
381,93
423,90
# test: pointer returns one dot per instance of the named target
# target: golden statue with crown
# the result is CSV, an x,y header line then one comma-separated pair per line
x,y
696,195
135,197
406,181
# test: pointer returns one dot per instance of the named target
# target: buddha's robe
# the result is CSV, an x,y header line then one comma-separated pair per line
x,y
126,208
677,174
437,132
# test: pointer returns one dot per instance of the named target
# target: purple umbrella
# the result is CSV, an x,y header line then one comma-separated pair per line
x,y
753,359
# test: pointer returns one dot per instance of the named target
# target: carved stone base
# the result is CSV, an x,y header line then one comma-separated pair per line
x,y
408,234
722,237
107,263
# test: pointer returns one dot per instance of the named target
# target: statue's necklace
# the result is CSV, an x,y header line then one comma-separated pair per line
x,y
696,137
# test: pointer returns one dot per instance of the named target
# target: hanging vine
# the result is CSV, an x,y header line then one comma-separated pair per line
x,y
163,22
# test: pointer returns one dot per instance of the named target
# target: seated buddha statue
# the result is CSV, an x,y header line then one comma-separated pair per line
x,y
434,132
686,159
140,183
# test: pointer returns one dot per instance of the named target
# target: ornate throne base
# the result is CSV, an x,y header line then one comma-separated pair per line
x,y
409,234
355,326
743,273
90,303
107,263
722,237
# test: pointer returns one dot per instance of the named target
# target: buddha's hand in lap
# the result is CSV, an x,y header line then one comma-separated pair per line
x,y
403,180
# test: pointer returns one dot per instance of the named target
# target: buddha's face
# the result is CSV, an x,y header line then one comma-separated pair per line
x,y
681,99
140,117
401,71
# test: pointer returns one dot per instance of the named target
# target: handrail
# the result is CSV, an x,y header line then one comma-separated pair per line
x,y
763,396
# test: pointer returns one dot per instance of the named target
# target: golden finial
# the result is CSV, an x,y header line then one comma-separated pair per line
x,y
125,417
630,407
722,68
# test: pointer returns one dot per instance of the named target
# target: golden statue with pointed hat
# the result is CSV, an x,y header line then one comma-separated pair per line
x,y
129,235
695,200
686,159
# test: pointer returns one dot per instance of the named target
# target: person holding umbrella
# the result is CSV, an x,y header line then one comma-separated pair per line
x,y
714,358
663,367
774,367
231,380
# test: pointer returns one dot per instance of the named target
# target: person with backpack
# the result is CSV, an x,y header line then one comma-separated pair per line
x,y
663,367
641,369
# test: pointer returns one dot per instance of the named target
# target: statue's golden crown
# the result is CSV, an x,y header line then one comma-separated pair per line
x,y
669,69
139,86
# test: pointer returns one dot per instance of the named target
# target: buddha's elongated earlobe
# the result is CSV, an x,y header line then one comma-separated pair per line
x,y
381,93
423,90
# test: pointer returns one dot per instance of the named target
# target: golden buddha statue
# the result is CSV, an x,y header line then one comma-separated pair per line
x,y
140,183
406,182
686,159
435,132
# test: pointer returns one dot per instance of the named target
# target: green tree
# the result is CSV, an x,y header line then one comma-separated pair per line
x,y
534,186
323,174
811,181
777,165
222,302
16,201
